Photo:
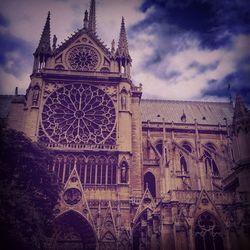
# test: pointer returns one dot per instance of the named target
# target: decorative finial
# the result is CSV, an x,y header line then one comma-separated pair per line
x,y
92,19
113,46
54,42
183,117
86,20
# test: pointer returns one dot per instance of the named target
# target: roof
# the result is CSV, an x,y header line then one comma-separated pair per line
x,y
206,113
5,102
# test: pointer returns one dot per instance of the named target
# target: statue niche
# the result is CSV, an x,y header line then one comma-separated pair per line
x,y
124,172
35,95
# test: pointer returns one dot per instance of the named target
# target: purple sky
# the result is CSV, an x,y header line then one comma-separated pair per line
x,y
184,50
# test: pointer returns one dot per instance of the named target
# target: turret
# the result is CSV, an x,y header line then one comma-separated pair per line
x,y
122,52
43,51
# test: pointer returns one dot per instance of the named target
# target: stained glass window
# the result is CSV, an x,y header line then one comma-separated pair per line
x,y
208,234
79,114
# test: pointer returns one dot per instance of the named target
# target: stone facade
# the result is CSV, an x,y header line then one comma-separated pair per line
x,y
137,174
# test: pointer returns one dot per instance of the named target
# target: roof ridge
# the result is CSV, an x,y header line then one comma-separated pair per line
x,y
190,101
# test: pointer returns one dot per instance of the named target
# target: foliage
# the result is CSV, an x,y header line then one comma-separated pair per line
x,y
28,191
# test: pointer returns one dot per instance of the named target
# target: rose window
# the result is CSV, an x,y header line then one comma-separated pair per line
x,y
79,113
83,58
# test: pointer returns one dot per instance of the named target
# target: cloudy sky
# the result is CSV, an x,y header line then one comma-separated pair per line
x,y
184,50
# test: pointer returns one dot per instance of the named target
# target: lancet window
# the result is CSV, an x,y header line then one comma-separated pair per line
x,y
92,170
183,160
159,146
210,164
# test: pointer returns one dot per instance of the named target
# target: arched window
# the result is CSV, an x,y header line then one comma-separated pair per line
x,y
187,146
112,170
149,180
159,146
92,170
183,164
70,161
59,167
210,164
208,234
80,165
211,146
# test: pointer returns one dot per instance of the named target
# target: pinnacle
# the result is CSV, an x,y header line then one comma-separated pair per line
x,y
92,17
240,108
122,50
44,44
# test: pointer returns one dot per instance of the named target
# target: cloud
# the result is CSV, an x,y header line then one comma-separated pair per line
x,y
192,48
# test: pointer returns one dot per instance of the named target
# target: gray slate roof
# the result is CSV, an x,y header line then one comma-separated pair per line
x,y
214,112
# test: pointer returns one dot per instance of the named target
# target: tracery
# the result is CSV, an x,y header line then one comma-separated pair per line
x,y
79,113
92,170
208,234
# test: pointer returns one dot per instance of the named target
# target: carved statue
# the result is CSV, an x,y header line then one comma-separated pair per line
x,y
54,42
35,96
124,172
124,101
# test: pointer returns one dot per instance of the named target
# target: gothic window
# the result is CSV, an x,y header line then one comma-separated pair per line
x,y
210,164
208,233
92,170
183,164
70,161
211,146
149,181
187,146
159,147
79,114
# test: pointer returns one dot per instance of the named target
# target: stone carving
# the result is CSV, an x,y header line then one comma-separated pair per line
x,y
35,95
72,196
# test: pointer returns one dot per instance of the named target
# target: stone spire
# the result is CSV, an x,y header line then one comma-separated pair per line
x,y
44,48
122,50
92,19
240,110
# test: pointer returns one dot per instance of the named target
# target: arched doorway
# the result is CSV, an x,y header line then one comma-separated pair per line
x,y
149,180
146,231
208,233
73,232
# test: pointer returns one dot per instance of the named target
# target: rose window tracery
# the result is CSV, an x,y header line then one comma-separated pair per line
x,y
82,58
79,113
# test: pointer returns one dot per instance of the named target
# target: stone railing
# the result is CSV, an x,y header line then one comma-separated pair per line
x,y
217,197
72,147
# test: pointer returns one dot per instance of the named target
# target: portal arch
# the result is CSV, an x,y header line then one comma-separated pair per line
x,y
73,232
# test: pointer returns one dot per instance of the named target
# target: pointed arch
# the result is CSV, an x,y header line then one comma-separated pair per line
x,y
210,164
149,181
159,146
187,146
73,231
208,232
183,164
141,228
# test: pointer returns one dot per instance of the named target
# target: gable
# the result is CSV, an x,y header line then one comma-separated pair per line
x,y
82,52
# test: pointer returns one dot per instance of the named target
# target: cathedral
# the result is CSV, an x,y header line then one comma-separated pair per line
x,y
136,173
